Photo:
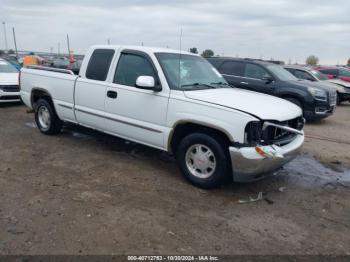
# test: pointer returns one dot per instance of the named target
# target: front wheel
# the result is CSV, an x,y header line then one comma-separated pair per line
x,y
46,118
203,160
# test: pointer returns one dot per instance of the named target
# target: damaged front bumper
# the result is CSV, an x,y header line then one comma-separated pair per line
x,y
248,165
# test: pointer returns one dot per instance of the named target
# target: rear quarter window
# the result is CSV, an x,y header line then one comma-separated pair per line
x,y
232,68
99,64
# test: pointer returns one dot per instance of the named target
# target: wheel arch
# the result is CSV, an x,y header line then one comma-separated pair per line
x,y
294,96
185,127
38,93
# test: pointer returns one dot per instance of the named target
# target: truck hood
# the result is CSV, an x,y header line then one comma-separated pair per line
x,y
263,106
8,78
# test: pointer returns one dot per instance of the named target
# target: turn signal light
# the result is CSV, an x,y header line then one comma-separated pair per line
x,y
260,151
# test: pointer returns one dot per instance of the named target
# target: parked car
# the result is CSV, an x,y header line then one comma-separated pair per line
x,y
9,89
75,67
317,101
61,62
48,61
307,73
341,73
173,102
12,60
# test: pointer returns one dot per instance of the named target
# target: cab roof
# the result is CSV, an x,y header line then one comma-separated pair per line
x,y
145,49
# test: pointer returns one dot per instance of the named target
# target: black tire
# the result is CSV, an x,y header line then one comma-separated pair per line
x,y
220,173
54,125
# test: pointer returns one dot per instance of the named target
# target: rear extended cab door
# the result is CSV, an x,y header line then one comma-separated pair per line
x,y
90,88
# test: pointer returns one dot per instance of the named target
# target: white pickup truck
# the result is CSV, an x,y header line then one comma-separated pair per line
x,y
173,101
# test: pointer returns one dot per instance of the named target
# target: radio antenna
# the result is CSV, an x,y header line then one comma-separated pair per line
x,y
179,86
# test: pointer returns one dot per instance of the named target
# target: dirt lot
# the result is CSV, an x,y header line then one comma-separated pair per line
x,y
83,192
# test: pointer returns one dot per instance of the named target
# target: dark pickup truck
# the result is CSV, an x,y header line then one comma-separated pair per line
x,y
316,100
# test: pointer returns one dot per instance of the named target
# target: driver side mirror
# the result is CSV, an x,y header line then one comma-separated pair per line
x,y
267,79
148,83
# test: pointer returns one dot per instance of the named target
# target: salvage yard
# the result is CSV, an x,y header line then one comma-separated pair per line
x,y
84,192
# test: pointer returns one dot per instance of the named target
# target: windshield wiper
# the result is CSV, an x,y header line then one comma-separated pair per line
x,y
198,84
220,83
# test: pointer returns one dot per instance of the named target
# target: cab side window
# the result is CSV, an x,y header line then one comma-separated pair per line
x,y
232,68
99,63
130,67
255,71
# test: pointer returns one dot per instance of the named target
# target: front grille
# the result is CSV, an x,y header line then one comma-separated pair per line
x,y
9,88
271,135
332,98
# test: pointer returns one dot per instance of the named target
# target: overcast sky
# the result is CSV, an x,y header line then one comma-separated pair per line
x,y
279,29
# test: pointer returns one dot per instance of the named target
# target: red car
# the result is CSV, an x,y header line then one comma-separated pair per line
x,y
335,72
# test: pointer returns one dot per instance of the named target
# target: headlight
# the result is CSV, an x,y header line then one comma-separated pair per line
x,y
318,93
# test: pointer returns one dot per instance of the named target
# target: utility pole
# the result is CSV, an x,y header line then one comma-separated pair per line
x,y
14,40
108,41
68,45
5,36
58,48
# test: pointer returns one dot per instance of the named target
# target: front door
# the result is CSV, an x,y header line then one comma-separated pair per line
x,y
256,78
135,113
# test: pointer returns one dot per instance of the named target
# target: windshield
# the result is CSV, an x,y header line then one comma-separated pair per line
x,y
7,67
189,72
319,75
281,73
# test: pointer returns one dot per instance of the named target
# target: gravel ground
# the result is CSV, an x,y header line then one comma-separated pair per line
x,y
84,192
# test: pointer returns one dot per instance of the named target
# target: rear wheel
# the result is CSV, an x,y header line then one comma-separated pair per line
x,y
46,118
203,160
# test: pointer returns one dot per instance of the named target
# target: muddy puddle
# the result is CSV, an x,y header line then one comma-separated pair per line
x,y
310,170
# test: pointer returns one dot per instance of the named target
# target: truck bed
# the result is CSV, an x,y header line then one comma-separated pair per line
x,y
59,83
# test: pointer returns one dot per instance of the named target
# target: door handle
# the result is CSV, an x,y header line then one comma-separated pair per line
x,y
112,94
244,83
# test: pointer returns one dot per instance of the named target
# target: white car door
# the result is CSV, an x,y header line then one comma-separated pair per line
x,y
90,90
134,113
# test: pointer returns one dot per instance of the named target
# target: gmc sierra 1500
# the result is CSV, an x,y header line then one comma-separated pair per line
x,y
173,101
